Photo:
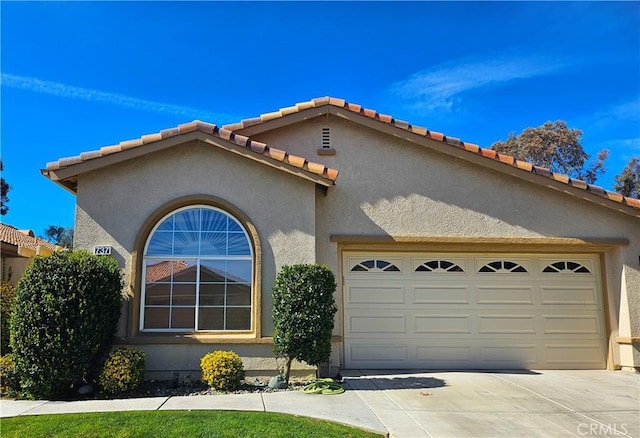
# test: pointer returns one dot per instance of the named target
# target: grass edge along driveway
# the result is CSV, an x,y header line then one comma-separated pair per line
x,y
174,424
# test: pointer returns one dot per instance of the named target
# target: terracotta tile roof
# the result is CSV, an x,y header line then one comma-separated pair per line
x,y
234,134
24,238
472,148
242,141
163,270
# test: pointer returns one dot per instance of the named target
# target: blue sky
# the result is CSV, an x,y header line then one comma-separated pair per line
x,y
79,76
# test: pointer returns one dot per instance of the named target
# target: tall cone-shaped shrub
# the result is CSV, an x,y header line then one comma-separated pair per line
x,y
303,314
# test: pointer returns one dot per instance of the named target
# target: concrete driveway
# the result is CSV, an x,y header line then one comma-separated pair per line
x,y
501,404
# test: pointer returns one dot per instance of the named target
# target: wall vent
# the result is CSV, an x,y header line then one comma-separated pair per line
x,y
326,138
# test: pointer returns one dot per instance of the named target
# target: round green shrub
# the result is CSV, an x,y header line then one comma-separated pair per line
x,y
222,370
7,298
9,384
65,315
123,370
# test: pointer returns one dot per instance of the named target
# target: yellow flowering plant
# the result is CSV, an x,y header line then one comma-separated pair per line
x,y
222,370
123,370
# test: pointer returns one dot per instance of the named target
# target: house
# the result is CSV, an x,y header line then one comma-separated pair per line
x,y
447,255
19,247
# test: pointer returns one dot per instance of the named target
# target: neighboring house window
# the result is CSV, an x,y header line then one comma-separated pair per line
x,y
198,271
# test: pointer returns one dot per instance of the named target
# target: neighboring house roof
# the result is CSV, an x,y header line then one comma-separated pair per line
x,y
163,270
65,170
24,242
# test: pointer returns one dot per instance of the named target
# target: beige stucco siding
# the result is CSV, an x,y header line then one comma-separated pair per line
x,y
390,187
114,203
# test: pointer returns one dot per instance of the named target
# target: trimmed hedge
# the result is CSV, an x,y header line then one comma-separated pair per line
x,y
65,315
303,314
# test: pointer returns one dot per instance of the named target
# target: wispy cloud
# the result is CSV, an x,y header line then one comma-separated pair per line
x,y
622,112
440,87
72,92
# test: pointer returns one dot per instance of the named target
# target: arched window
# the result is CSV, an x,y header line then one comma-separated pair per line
x,y
198,272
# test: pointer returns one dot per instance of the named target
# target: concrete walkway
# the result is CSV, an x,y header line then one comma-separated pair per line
x,y
428,404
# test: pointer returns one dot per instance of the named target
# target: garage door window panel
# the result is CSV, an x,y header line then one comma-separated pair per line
x,y
503,267
439,266
375,266
566,267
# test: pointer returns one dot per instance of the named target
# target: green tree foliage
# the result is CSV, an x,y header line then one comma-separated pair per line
x,y
303,314
4,190
59,235
7,298
628,181
557,147
65,315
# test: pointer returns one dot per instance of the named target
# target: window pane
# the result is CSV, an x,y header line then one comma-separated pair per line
x,y
156,317
166,225
238,318
212,270
238,294
157,294
234,225
160,244
183,318
238,244
186,243
184,294
158,271
212,294
239,271
210,318
213,244
213,220
184,270
188,220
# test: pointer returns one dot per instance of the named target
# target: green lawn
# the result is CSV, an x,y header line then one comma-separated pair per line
x,y
174,424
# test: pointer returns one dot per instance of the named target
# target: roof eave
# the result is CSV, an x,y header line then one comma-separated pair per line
x,y
66,177
459,151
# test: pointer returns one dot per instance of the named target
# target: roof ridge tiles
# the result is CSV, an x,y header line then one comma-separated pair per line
x,y
506,159
229,132
208,128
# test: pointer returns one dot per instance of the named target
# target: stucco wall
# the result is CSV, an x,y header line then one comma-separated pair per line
x,y
113,204
391,187
15,267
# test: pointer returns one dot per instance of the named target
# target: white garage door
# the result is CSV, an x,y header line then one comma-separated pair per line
x,y
472,311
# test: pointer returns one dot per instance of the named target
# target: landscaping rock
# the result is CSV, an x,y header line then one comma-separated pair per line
x,y
85,389
278,382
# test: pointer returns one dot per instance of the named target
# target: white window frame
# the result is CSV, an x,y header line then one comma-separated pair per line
x,y
197,260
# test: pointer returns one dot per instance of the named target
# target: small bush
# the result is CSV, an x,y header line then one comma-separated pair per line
x,y
123,370
7,298
222,370
65,315
9,383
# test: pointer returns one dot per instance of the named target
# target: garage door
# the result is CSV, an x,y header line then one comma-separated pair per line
x,y
472,311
